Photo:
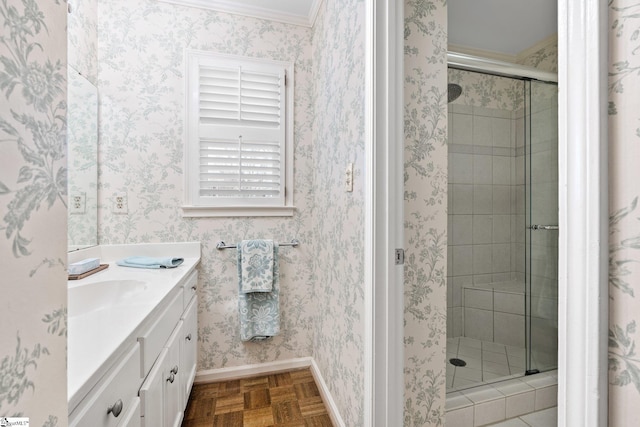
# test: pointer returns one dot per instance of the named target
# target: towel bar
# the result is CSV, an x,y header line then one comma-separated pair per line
x,y
223,245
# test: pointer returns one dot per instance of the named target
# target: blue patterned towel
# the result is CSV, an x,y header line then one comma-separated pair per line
x,y
259,311
256,259
150,262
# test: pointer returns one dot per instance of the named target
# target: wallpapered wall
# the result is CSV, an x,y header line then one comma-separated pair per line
x,y
425,211
141,83
338,216
82,38
624,220
33,211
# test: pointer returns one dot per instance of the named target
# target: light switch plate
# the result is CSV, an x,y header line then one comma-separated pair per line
x,y
348,175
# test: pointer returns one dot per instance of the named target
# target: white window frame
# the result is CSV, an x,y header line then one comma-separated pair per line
x,y
193,204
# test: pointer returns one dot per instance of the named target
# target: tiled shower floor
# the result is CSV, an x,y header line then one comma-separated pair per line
x,y
486,362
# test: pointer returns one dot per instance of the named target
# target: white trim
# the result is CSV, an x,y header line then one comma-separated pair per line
x,y
230,6
332,408
552,40
493,66
369,197
385,197
247,371
189,211
583,209
499,56
313,12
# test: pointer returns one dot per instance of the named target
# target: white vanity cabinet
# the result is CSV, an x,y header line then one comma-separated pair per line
x,y
149,384
163,395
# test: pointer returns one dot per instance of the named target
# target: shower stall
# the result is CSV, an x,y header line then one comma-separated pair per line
x,y
502,273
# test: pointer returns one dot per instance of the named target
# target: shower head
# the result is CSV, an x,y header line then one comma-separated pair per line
x,y
454,91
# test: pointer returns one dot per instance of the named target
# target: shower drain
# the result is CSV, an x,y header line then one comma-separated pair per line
x,y
457,362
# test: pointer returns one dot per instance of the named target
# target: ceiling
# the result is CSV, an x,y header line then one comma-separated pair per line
x,y
503,26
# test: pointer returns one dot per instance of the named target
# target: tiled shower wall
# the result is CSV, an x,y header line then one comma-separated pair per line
x,y
487,212
486,201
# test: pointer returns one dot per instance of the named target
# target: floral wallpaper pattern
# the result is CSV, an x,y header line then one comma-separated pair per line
x,y
624,220
33,198
141,84
82,38
425,211
483,90
545,59
338,222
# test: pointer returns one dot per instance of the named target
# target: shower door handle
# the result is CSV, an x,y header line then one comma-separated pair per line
x,y
543,227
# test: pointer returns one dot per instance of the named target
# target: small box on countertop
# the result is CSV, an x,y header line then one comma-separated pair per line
x,y
84,265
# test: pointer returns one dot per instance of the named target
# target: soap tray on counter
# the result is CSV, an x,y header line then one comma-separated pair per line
x,y
88,273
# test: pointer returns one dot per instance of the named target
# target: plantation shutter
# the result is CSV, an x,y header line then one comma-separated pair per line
x,y
241,133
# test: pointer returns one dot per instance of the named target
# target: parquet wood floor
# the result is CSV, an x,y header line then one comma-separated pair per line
x,y
289,399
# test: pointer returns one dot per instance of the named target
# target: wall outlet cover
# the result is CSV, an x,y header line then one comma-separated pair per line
x,y
120,203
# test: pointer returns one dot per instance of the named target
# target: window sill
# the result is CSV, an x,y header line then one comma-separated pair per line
x,y
235,211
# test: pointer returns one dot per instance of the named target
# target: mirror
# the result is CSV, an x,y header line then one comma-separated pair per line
x,y
82,150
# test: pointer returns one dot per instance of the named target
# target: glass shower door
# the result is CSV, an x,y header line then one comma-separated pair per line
x,y
541,217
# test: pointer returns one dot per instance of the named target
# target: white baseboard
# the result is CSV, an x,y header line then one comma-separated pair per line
x,y
246,371
334,414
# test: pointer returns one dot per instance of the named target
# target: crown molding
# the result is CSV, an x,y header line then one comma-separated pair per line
x,y
313,12
498,56
230,6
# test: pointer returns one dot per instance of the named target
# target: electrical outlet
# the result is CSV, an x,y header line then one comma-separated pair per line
x,y
77,203
348,178
120,203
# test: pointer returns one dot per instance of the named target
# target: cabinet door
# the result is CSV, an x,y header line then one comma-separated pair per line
x,y
188,353
173,405
152,394
132,419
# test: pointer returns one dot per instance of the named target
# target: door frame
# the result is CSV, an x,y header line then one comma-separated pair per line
x,y
583,214
384,221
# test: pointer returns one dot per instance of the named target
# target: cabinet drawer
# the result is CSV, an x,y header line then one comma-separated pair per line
x,y
190,288
118,389
152,341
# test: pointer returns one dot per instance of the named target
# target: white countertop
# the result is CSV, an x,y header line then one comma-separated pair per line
x,y
107,309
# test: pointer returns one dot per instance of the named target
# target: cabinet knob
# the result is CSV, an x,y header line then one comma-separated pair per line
x,y
188,337
115,409
194,287
174,370
171,378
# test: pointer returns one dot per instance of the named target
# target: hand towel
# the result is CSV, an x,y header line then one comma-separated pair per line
x,y
150,262
259,311
256,259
